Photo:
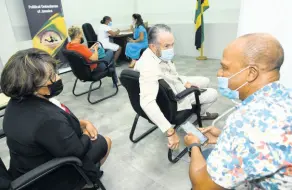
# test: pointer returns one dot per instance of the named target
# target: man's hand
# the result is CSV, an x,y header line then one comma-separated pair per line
x,y
188,85
173,140
90,130
212,133
212,130
190,139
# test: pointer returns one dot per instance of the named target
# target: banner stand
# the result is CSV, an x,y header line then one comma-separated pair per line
x,y
48,28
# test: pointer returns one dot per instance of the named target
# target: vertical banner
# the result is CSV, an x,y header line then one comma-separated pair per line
x,y
48,28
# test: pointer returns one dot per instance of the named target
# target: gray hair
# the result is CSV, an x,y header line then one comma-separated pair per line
x,y
155,30
27,71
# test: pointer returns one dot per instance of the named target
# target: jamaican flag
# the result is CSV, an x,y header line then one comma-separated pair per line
x,y
202,5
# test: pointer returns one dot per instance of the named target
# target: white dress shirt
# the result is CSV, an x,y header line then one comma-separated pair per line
x,y
151,70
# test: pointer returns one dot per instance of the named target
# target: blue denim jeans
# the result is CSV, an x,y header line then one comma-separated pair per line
x,y
206,153
109,57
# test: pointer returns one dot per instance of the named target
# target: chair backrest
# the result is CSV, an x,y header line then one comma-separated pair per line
x,y
5,178
165,98
78,65
89,34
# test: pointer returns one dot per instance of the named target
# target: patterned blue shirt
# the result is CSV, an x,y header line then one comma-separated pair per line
x,y
255,146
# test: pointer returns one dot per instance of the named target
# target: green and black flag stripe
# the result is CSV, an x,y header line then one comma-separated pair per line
x,y
202,5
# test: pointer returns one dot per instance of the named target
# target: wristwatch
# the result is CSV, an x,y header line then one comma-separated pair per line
x,y
191,146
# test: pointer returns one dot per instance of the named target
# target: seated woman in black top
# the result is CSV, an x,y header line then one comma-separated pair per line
x,y
39,128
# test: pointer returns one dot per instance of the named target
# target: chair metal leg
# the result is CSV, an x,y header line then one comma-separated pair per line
x,y
97,101
141,136
178,157
198,110
100,185
74,87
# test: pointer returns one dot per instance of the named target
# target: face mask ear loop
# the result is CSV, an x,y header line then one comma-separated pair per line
x,y
238,72
235,102
241,86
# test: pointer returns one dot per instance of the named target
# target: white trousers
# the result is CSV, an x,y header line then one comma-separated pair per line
x,y
208,97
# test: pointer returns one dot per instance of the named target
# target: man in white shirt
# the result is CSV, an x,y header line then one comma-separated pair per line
x,y
156,63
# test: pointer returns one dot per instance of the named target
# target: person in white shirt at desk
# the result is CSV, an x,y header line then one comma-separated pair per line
x,y
156,63
104,32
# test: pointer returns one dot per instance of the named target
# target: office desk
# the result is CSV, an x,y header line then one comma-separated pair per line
x,y
122,40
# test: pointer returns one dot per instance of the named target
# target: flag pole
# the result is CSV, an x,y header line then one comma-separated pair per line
x,y
202,57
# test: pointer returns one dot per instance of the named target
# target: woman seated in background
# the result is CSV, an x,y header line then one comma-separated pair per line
x,y
140,41
38,127
94,53
104,32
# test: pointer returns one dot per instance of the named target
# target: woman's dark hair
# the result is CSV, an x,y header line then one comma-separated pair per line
x,y
105,18
139,20
27,71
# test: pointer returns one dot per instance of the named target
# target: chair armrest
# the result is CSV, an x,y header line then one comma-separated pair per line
x,y
99,61
97,42
2,134
187,92
43,170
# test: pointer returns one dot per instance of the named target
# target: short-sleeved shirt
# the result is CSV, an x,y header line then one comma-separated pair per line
x,y
255,146
103,35
82,50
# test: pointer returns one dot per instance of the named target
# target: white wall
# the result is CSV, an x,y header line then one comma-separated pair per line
x,y
8,42
78,12
221,21
274,18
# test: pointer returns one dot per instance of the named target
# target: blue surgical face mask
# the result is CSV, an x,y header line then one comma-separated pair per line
x,y
225,90
167,54
110,23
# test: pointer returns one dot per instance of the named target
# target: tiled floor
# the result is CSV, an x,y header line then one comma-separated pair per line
x,y
135,166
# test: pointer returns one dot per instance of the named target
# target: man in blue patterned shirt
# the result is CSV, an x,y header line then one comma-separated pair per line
x,y
255,145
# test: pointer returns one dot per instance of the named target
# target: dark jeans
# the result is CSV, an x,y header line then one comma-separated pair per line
x,y
109,57
206,153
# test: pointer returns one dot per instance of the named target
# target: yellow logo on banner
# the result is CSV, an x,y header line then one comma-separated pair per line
x,y
52,35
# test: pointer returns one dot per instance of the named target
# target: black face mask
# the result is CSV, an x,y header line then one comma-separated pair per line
x,y
82,40
55,89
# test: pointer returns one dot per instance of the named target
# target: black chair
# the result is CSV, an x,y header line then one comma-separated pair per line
x,y
90,35
81,69
166,100
33,180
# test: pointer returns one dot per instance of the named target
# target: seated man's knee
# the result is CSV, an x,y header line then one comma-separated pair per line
x,y
212,94
205,82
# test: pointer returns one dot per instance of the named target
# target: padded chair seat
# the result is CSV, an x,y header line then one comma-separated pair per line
x,y
97,75
182,116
